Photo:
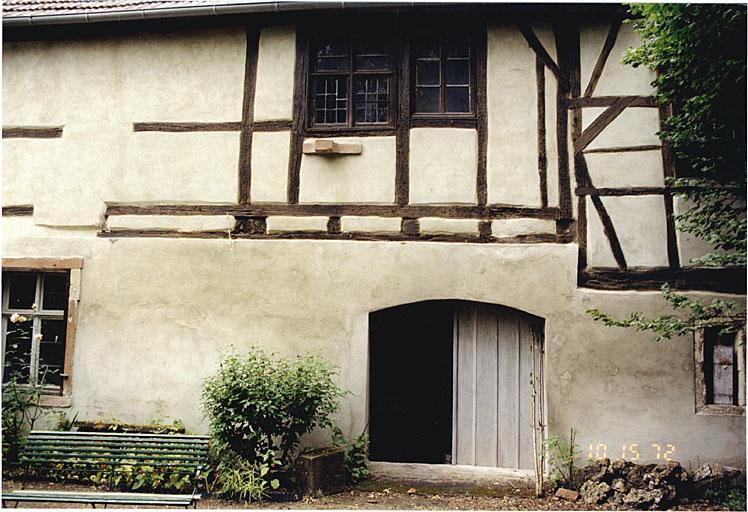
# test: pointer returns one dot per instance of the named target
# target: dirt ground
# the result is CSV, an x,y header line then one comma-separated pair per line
x,y
374,495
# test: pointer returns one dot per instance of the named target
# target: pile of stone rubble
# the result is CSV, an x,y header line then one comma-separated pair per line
x,y
628,485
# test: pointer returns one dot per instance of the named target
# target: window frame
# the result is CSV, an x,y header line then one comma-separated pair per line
x,y
62,396
350,127
703,406
425,117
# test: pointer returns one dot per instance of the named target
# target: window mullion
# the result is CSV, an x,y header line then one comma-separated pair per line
x,y
36,330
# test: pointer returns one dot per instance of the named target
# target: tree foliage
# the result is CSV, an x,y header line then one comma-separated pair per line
x,y
699,54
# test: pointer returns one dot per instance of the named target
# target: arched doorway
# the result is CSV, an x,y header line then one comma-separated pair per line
x,y
450,383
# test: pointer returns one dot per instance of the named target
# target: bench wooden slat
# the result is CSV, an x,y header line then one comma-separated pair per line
x,y
35,492
115,454
101,498
47,434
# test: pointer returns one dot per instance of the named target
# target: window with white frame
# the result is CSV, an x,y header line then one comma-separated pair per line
x,y
34,316
720,371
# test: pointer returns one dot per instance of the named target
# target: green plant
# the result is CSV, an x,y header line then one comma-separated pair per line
x,y
237,478
22,394
561,456
729,496
356,455
259,404
64,422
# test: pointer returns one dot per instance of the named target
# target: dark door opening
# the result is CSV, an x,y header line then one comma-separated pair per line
x,y
411,380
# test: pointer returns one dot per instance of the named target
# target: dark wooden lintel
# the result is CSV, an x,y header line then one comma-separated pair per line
x,y
272,126
607,101
32,132
443,122
336,210
230,126
725,280
18,210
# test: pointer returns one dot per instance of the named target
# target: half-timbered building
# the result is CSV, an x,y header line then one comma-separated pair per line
x,y
430,196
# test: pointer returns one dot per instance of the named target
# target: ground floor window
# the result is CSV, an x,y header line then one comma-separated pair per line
x,y
720,371
39,309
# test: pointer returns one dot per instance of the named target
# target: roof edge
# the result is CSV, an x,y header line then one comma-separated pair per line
x,y
189,12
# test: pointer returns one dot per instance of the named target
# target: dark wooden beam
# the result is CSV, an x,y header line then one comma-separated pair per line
x,y
325,235
272,126
495,211
402,141
610,40
607,101
540,50
180,127
542,153
561,36
431,122
248,113
481,182
32,132
724,280
599,124
299,119
668,169
622,191
610,232
625,149
21,210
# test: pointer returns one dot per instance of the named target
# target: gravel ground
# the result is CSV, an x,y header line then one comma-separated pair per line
x,y
376,495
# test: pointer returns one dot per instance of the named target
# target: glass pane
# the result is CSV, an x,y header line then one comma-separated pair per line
x,y
372,100
330,100
427,50
52,352
458,72
458,99
427,72
22,289
427,99
457,47
55,291
18,352
371,56
332,56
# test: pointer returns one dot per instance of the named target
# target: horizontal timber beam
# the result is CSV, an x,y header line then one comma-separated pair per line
x,y
623,191
326,235
18,210
607,101
624,149
187,127
336,210
32,132
725,280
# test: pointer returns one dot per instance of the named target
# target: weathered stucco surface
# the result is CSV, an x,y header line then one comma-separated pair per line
x,y
270,153
276,62
150,328
365,178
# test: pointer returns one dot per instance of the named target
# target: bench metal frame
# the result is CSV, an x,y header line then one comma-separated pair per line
x,y
94,452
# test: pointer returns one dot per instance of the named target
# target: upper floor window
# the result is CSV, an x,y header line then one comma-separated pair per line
x,y
352,82
444,74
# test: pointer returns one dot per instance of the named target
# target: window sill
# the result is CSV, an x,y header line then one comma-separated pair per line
x,y
720,410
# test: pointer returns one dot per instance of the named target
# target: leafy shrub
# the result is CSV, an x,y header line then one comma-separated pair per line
x,y
259,404
731,497
561,456
238,478
356,455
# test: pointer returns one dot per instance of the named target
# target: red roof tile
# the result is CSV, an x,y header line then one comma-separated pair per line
x,y
18,8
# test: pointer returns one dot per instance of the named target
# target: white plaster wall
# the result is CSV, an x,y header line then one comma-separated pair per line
x,y
177,222
276,61
617,79
635,126
640,224
23,163
369,224
270,153
97,88
514,227
443,165
438,225
365,178
512,156
151,328
633,169
280,223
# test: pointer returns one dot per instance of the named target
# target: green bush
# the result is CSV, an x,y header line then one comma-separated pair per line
x,y
236,478
356,455
259,404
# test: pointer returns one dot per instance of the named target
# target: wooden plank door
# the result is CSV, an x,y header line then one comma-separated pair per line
x,y
492,370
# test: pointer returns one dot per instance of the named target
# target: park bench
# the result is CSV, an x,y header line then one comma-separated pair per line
x,y
102,454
